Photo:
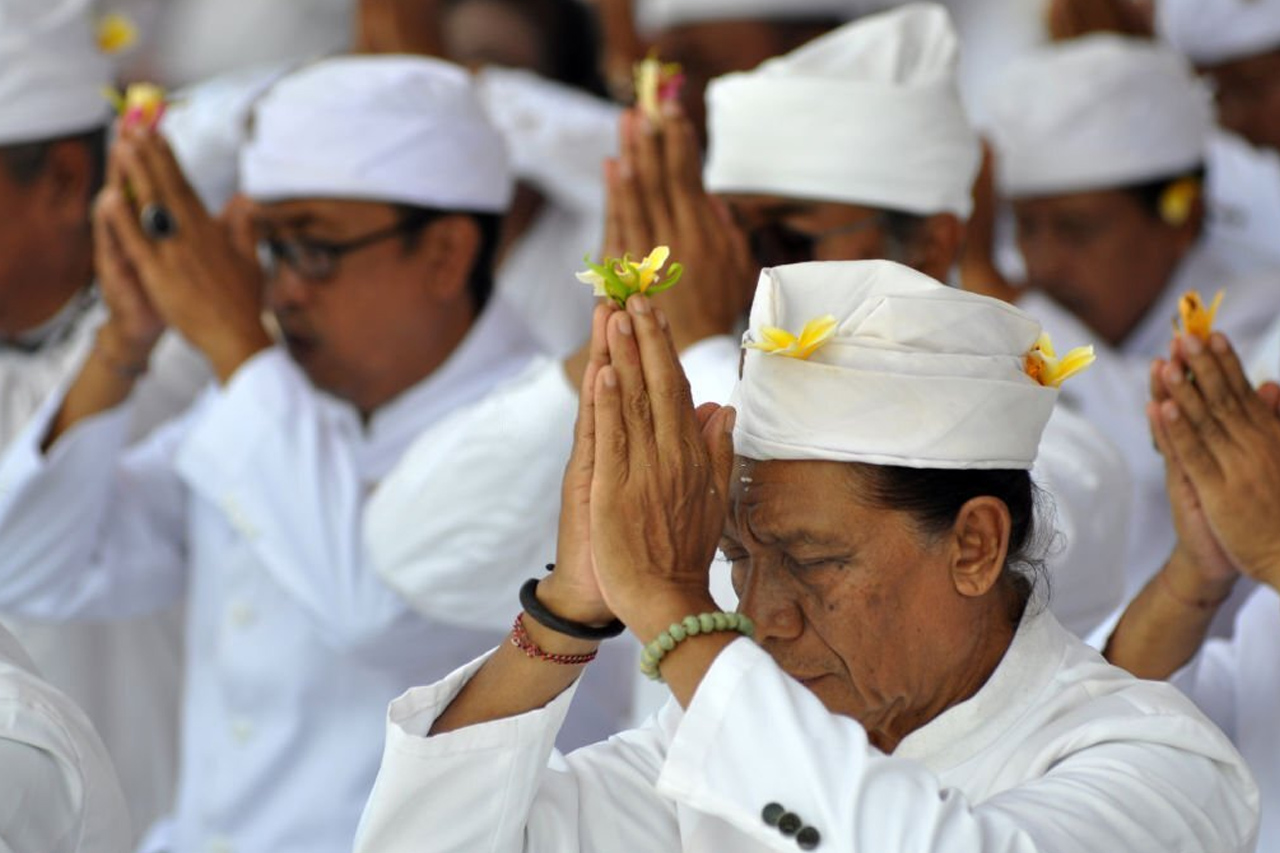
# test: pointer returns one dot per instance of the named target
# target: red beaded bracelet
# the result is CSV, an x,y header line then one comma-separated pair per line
x,y
520,639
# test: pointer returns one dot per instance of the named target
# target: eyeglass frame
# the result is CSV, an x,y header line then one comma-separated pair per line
x,y
272,251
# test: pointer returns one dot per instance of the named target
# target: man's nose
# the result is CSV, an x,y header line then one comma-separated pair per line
x,y
771,605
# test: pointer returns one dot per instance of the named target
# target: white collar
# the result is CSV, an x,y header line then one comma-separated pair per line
x,y
1026,670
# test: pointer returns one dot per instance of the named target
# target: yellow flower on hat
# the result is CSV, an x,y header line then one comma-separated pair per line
x,y
141,103
621,278
812,338
116,34
1196,319
657,82
1043,365
1178,200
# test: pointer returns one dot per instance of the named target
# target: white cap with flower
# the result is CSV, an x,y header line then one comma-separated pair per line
x,y
871,361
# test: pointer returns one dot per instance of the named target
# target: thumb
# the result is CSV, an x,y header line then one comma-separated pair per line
x,y
718,435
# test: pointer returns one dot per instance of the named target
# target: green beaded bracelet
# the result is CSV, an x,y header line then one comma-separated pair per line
x,y
691,626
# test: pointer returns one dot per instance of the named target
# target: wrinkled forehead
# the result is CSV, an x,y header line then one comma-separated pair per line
x,y
779,485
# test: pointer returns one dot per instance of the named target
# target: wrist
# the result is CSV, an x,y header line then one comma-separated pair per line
x,y
228,353
661,610
1184,580
559,596
127,357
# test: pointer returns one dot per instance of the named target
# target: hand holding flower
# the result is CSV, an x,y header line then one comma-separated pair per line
x,y
660,487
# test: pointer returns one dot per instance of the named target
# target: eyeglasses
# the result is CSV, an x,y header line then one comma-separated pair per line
x,y
317,260
776,244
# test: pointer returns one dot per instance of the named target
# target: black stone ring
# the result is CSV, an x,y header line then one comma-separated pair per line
x,y
157,222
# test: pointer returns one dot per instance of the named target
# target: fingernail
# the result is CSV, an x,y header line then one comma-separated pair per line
x,y
730,421
1170,411
662,318
624,325
1173,375
1219,344
640,305
670,109
610,378
1191,345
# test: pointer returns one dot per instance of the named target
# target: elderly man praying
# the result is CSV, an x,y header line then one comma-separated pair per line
x,y
905,689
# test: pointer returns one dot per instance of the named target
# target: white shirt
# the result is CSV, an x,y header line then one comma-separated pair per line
x,y
251,508
1057,752
91,662
1242,188
493,527
559,139
1237,683
1113,393
58,790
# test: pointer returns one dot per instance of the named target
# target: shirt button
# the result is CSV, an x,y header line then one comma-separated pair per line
x,y
242,615
241,731
789,823
808,838
772,813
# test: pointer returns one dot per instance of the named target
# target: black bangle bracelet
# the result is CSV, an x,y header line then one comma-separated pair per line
x,y
544,617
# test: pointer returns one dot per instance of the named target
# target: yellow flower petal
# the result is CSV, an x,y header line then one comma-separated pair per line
x,y
1042,364
815,334
116,34
1196,319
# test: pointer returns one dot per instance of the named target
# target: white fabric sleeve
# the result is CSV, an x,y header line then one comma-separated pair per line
x,y
472,509
499,787
753,736
38,809
288,481
712,367
91,530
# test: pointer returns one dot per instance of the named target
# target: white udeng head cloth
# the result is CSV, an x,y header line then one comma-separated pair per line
x,y
1209,32
381,128
918,374
867,114
1097,113
52,74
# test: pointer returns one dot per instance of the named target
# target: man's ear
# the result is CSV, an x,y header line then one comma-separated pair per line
x,y
450,248
980,545
939,243
68,183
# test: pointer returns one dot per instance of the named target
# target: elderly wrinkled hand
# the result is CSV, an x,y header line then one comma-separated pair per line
x,y
659,491
184,259
1224,438
656,197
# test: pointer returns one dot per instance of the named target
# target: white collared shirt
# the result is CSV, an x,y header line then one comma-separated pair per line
x,y
58,790
1236,682
1057,752
90,662
251,508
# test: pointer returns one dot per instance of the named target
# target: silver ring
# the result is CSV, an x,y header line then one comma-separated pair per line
x,y
157,222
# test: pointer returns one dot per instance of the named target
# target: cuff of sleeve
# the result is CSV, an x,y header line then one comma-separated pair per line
x,y
712,367
411,716
88,439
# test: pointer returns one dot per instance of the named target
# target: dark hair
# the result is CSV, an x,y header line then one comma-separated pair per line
x,y
800,31
25,162
570,39
934,497
480,282
1149,193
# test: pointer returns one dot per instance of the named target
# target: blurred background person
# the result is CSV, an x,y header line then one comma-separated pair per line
x,y
1100,146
